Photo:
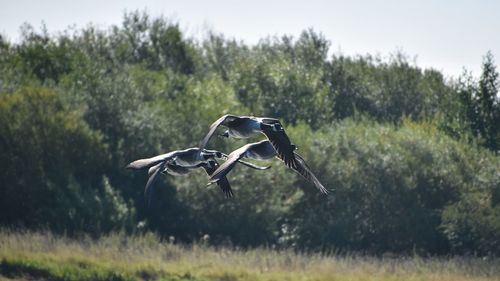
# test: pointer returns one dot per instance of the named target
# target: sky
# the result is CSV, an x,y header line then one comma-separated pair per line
x,y
447,35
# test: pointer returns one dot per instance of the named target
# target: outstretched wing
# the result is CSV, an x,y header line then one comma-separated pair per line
x,y
214,126
227,166
303,169
150,162
223,183
281,143
153,174
253,166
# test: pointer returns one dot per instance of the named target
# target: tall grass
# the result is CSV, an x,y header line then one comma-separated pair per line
x,y
43,256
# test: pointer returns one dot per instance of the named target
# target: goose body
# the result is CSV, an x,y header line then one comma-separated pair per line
x,y
239,127
176,170
262,150
243,127
192,158
247,126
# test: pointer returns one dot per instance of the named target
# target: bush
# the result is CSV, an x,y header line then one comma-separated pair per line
x,y
391,186
53,164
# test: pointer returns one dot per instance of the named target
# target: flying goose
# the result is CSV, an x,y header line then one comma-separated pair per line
x,y
242,127
263,150
181,162
186,157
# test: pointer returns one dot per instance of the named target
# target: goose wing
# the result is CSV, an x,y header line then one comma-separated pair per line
x,y
153,175
248,164
303,169
153,161
221,121
223,183
253,166
281,143
227,166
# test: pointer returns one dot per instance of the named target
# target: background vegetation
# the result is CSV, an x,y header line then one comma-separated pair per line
x,y
412,157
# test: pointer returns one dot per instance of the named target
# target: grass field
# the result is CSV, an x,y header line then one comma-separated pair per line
x,y
36,256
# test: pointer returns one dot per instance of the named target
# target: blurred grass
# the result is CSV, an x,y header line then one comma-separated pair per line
x,y
42,256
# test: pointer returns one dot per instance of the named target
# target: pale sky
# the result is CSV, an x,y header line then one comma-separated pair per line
x,y
443,34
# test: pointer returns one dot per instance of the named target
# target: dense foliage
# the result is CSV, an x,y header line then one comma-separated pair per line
x,y
411,158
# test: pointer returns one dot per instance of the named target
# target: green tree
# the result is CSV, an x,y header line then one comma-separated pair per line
x,y
487,105
480,105
386,89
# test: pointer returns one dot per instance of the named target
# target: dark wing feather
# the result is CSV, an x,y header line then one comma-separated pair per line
x,y
303,169
223,183
153,174
214,126
281,143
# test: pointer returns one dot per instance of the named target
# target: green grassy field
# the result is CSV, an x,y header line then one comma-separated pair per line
x,y
35,256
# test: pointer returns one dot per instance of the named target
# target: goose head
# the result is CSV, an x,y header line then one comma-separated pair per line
x,y
225,134
277,127
210,154
211,164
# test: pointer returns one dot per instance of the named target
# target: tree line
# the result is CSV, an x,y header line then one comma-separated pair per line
x,y
412,157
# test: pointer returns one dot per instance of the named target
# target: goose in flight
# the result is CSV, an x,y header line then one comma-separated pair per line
x,y
263,150
181,162
186,157
242,127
